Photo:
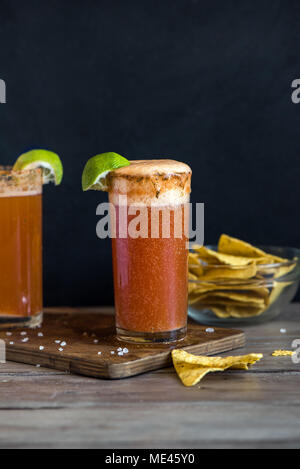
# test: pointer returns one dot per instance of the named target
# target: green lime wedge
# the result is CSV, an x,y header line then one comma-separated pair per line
x,y
98,167
48,161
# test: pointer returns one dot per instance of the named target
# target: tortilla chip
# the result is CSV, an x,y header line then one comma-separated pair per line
x,y
229,297
284,270
276,291
193,259
236,247
257,291
258,295
198,272
243,312
191,369
219,311
221,272
282,353
192,285
214,257
237,312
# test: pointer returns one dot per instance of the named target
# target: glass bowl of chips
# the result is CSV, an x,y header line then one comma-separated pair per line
x,y
237,283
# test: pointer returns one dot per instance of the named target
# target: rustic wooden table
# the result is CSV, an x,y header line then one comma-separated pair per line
x,y
41,408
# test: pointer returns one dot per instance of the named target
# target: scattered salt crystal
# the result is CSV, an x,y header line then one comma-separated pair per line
x,y
23,333
283,331
38,366
96,341
57,341
210,330
41,347
11,343
99,353
9,334
40,334
120,349
61,349
25,340
121,354
112,352
125,350
63,344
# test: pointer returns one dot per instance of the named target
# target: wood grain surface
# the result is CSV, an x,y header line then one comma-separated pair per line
x,y
44,408
86,334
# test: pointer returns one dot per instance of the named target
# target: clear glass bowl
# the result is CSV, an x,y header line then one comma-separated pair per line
x,y
237,301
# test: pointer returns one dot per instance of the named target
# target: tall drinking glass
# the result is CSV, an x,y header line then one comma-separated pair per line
x,y
20,248
151,264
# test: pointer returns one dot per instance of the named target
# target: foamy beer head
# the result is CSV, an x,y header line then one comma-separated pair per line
x,y
151,182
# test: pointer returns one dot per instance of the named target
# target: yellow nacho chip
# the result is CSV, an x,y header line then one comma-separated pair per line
x,y
282,353
276,291
281,271
236,247
221,272
193,259
258,296
198,272
243,312
226,298
214,257
191,369
235,311
192,285
220,312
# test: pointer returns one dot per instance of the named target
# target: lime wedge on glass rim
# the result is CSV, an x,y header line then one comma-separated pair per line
x,y
98,167
48,161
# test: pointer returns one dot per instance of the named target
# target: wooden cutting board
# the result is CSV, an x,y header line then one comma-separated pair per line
x,y
81,328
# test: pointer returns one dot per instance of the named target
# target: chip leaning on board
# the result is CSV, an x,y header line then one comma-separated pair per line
x,y
238,280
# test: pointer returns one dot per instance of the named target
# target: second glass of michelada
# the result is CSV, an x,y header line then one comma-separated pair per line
x,y
149,203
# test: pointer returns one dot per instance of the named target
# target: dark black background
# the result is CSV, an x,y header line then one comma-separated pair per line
x,y
207,82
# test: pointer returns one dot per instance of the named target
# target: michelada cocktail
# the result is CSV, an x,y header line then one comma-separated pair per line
x,y
21,299
149,206
20,247
150,268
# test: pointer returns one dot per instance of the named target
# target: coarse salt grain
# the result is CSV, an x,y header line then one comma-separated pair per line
x,y
11,343
41,347
9,334
23,333
96,341
210,330
40,334
57,341
112,352
283,331
61,349
120,354
25,340
99,353
38,366
63,344
125,350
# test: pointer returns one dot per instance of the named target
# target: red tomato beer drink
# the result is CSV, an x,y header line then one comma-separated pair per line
x,y
20,248
151,270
